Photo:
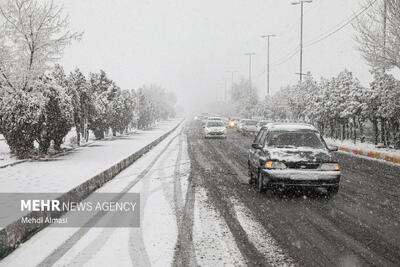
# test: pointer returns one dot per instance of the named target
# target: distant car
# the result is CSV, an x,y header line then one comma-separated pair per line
x,y
240,125
214,119
215,128
233,122
204,120
249,127
261,124
292,155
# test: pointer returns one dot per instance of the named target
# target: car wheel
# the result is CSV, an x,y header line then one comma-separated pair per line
x,y
332,190
260,183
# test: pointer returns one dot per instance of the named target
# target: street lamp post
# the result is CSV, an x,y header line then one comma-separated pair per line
x,y
250,55
268,36
301,2
232,72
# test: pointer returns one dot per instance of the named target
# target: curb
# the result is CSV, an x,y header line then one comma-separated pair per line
x,y
16,233
371,154
63,153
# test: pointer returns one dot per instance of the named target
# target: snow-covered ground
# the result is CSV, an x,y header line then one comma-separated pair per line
x,y
161,177
154,242
66,172
363,146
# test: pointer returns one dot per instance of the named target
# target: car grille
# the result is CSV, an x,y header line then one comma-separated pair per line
x,y
216,133
300,165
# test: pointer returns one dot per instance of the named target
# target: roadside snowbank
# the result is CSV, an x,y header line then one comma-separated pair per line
x,y
366,149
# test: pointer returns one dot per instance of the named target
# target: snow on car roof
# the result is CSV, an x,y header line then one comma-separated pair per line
x,y
291,126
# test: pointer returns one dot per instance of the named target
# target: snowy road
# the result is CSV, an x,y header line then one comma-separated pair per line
x,y
196,209
358,227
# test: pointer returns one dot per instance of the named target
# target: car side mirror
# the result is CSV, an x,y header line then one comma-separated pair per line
x,y
256,146
333,148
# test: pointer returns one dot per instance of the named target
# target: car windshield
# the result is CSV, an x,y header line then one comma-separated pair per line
x,y
215,124
251,122
292,139
262,123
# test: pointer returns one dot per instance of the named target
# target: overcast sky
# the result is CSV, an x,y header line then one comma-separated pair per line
x,y
187,46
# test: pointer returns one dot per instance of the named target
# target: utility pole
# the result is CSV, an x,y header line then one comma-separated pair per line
x,y
301,2
226,89
268,36
232,73
250,55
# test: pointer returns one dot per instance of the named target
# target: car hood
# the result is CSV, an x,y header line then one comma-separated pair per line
x,y
250,126
216,129
299,155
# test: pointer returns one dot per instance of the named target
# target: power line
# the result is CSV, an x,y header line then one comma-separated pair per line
x,y
346,22
289,57
331,31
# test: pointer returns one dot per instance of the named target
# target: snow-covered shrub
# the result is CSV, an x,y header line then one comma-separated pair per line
x,y
21,120
58,113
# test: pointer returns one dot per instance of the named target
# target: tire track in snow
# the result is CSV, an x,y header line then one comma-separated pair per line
x,y
205,164
185,254
178,199
60,251
261,239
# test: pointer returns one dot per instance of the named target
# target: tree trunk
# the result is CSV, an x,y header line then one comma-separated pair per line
x,y
78,136
360,124
383,132
341,132
376,130
57,144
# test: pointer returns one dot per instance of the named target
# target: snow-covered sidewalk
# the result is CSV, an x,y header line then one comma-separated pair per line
x,y
70,171
366,149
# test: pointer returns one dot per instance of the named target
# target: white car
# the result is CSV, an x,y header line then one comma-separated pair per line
x,y
249,127
215,129
260,124
240,125
214,119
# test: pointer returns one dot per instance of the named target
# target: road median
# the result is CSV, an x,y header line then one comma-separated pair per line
x,y
15,232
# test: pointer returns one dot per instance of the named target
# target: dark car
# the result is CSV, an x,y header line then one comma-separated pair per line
x,y
292,155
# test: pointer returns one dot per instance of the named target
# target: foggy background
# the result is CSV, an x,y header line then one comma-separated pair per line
x,y
188,46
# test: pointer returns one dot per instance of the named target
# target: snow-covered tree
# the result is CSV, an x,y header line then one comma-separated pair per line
x,y
299,96
58,112
245,100
385,105
21,119
78,89
33,34
380,46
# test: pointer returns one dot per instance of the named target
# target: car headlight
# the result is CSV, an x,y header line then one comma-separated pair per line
x,y
275,165
329,167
